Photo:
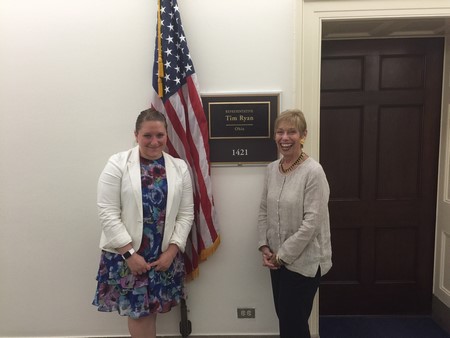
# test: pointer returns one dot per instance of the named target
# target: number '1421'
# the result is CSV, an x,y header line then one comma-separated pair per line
x,y
240,152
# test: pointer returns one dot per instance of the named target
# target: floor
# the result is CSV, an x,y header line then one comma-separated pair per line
x,y
379,327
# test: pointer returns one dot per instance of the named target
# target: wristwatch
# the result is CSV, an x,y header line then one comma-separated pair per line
x,y
128,254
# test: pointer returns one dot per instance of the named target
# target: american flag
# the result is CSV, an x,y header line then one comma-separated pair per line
x,y
176,95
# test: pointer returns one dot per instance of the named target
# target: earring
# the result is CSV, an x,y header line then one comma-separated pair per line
x,y
302,141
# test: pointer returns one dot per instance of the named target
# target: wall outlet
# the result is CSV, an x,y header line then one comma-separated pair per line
x,y
246,312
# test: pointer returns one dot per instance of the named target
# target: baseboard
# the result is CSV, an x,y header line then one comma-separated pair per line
x,y
209,336
234,336
226,336
440,314
202,336
237,336
196,336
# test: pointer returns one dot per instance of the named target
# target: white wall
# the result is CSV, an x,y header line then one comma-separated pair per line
x,y
74,74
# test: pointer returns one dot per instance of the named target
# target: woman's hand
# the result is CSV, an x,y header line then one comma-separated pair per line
x,y
137,264
165,259
268,257
275,261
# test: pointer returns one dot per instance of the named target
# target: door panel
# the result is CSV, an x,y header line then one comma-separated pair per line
x,y
379,141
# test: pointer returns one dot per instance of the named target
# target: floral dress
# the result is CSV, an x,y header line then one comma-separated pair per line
x,y
154,291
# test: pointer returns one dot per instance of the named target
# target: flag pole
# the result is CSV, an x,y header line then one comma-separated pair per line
x,y
176,94
185,323
160,60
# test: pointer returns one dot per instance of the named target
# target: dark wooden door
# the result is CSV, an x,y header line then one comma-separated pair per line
x,y
379,141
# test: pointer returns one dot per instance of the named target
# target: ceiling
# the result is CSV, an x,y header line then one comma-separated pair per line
x,y
383,28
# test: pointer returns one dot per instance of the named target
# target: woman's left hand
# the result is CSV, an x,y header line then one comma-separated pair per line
x,y
165,259
274,261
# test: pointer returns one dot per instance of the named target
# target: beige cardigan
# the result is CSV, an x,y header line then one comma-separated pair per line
x,y
119,201
293,218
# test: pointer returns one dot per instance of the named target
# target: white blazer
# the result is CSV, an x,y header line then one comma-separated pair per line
x,y
119,201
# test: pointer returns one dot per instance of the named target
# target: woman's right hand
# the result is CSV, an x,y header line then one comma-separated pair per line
x,y
137,264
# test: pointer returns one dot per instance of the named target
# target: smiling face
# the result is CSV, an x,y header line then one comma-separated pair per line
x,y
152,139
288,140
290,133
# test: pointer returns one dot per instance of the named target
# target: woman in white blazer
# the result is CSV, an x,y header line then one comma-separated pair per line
x,y
145,205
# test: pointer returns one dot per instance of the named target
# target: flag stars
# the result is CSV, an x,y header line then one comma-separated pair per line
x,y
177,60
168,52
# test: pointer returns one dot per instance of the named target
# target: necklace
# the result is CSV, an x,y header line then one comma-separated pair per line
x,y
292,166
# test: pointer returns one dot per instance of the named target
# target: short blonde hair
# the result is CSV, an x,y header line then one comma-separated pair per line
x,y
294,117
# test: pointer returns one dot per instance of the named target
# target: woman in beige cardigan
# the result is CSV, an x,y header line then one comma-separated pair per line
x,y
294,228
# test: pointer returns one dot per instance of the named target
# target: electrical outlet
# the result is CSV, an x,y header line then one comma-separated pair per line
x,y
245,312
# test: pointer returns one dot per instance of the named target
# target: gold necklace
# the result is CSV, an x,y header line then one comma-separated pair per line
x,y
292,166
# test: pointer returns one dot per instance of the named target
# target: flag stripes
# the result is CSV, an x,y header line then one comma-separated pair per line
x,y
178,98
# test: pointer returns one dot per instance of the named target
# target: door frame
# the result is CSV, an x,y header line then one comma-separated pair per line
x,y
311,15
